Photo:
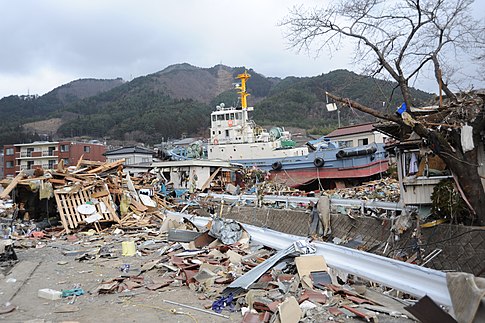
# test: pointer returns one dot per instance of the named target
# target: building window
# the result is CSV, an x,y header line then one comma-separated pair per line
x,y
364,141
87,149
9,151
9,164
64,148
52,163
30,164
66,161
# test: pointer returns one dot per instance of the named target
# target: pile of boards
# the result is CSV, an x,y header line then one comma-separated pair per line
x,y
96,192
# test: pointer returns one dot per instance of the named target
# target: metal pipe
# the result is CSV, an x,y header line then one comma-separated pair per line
x,y
196,308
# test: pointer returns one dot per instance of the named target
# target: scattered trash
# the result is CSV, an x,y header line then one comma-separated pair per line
x,y
50,294
72,292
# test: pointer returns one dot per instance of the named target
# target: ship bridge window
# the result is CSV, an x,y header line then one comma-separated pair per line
x,y
227,116
231,116
214,118
220,117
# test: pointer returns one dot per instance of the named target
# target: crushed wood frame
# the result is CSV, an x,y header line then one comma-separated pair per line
x,y
69,200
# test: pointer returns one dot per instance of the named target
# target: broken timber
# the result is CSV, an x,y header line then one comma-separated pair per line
x,y
12,185
68,203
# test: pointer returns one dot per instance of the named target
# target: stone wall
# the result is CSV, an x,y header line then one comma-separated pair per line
x,y
463,248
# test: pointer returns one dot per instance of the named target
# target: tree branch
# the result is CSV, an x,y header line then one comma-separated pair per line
x,y
363,108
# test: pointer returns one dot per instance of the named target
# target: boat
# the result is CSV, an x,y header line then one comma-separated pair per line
x,y
235,137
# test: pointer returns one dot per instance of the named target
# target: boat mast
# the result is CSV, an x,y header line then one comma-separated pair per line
x,y
243,77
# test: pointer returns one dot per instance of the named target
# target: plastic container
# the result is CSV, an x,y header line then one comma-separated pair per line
x,y
50,294
128,248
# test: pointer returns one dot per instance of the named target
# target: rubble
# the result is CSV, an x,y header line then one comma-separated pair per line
x,y
108,218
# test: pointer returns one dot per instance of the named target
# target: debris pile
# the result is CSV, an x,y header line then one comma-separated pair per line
x,y
385,189
231,274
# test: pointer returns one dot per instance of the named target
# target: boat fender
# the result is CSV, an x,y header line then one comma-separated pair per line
x,y
216,141
276,165
319,162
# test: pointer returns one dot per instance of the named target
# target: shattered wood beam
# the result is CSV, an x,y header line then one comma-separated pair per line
x,y
210,179
363,108
12,185
106,167
79,161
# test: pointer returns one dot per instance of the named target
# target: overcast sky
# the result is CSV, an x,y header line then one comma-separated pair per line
x,y
47,43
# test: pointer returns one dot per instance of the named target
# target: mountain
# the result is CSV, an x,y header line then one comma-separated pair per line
x,y
81,89
18,110
178,100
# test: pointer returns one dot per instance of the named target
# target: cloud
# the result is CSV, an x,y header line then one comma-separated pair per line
x,y
48,43
51,42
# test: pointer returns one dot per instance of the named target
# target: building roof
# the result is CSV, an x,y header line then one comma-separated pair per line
x,y
352,130
129,150
37,143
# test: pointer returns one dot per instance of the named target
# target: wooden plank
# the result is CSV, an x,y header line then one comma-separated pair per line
x,y
57,181
92,163
12,185
84,197
72,210
106,167
140,207
60,167
73,179
107,201
60,207
210,179
28,180
67,210
99,194
79,161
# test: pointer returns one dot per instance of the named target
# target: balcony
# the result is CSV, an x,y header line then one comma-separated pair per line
x,y
38,154
46,153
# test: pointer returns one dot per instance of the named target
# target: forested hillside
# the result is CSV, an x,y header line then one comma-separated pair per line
x,y
179,100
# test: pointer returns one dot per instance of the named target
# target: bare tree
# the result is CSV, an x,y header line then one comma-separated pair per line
x,y
403,39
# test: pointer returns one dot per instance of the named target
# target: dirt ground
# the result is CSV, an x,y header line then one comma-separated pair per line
x,y
60,272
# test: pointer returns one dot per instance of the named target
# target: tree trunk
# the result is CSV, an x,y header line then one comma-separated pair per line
x,y
470,182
